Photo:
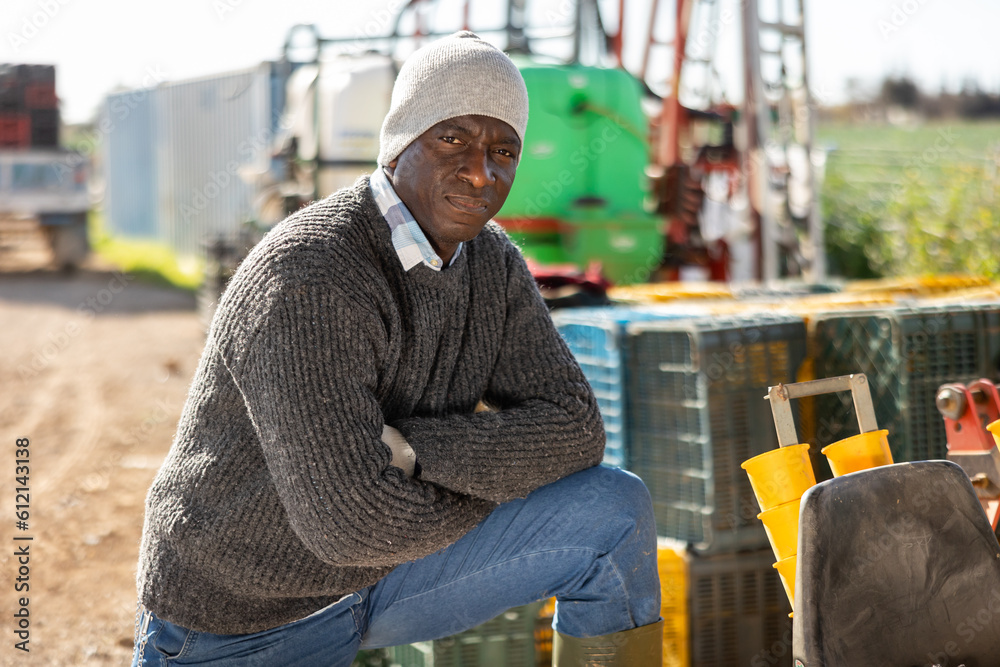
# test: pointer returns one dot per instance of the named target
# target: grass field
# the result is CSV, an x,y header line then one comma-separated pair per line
x,y
968,140
900,201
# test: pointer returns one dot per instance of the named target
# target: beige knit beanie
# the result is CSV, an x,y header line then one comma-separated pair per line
x,y
455,76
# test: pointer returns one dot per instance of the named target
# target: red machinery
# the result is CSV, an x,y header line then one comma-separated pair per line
x,y
754,185
966,411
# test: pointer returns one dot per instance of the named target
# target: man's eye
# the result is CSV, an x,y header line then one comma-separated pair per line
x,y
506,153
450,140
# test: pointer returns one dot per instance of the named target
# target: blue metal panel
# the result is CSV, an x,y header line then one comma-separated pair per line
x,y
178,157
126,126
211,132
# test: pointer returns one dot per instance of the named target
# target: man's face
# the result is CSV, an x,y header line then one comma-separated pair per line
x,y
455,177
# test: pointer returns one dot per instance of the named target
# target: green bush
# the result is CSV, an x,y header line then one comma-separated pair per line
x,y
930,205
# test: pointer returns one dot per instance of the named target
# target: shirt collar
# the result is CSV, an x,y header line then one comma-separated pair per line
x,y
408,238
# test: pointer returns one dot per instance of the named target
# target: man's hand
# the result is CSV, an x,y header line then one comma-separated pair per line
x,y
403,456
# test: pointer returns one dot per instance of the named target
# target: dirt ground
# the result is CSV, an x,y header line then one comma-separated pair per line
x,y
95,370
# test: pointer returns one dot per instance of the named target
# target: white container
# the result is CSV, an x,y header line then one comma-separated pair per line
x,y
354,96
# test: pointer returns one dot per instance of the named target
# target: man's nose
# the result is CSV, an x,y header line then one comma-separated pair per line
x,y
476,168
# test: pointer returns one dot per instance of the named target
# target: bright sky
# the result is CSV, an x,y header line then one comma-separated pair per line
x,y
100,44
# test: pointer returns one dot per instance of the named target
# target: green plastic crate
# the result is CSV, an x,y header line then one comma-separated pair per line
x,y
697,411
420,654
907,354
737,611
507,640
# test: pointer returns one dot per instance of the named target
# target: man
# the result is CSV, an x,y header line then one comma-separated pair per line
x,y
332,485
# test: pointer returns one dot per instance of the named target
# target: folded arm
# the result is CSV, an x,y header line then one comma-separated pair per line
x,y
308,381
544,424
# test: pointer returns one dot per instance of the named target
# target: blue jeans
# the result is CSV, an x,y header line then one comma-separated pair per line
x,y
588,539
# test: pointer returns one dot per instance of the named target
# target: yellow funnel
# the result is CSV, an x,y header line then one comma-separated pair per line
x,y
786,570
781,524
859,452
780,475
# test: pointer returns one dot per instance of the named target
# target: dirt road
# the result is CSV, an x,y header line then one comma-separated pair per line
x,y
94,373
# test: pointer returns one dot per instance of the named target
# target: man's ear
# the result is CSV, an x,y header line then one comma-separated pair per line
x,y
391,167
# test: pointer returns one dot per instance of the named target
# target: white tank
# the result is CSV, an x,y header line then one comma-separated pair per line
x,y
300,110
354,96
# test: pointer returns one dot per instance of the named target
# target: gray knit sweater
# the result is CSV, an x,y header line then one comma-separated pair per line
x,y
277,496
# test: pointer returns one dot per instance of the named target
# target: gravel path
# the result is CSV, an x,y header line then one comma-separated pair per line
x,y
95,370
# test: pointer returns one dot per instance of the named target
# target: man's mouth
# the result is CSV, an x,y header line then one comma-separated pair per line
x,y
468,204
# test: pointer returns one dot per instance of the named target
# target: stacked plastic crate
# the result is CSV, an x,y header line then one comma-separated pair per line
x,y
696,412
595,336
724,610
29,109
682,398
907,353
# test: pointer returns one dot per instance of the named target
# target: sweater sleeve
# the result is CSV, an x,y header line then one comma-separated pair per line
x,y
546,424
308,379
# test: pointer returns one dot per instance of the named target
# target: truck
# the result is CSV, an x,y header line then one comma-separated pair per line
x,y
40,182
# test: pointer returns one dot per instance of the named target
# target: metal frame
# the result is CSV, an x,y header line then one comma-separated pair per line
x,y
774,240
519,35
781,409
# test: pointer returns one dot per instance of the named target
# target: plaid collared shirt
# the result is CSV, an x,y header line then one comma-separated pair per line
x,y
408,239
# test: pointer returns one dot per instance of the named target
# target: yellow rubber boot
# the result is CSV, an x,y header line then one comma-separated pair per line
x,y
638,647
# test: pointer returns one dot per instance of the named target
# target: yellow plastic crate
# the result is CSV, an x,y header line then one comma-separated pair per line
x,y
982,293
722,610
917,285
674,607
544,633
669,291
809,307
